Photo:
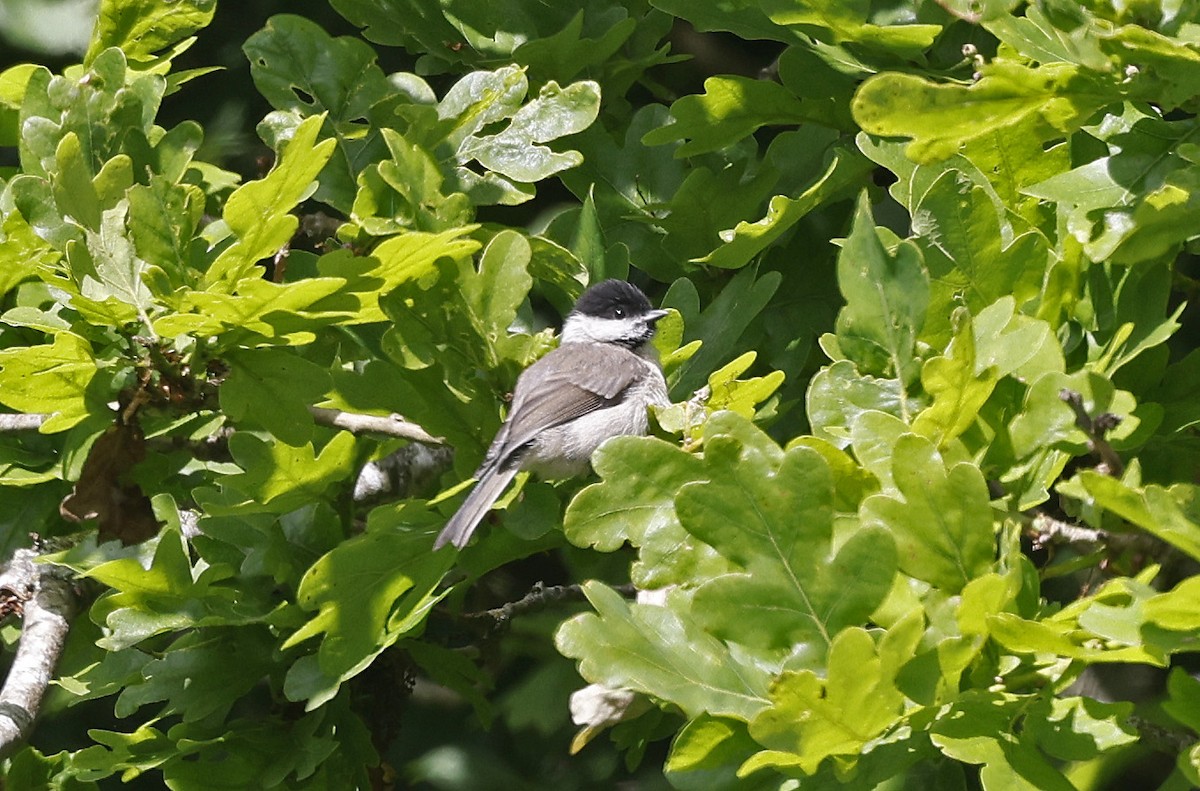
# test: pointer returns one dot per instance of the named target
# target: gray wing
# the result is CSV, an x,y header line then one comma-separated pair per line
x,y
562,386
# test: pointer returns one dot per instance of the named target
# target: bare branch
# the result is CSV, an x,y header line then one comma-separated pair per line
x,y
389,425
404,473
21,422
1046,531
47,601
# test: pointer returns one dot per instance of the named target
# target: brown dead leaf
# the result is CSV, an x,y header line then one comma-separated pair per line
x,y
120,507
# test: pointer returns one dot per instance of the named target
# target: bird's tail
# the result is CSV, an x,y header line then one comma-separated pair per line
x,y
460,527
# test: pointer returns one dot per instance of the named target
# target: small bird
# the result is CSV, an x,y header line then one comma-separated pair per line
x,y
597,384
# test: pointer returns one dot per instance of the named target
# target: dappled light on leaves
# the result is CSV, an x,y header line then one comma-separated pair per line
x,y
923,511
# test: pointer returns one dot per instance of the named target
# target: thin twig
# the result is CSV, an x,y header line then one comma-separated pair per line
x,y
1160,738
47,602
1095,428
539,598
390,425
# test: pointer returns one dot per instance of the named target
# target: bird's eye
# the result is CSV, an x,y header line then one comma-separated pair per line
x,y
619,313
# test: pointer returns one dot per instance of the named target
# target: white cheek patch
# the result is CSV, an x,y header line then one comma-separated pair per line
x,y
594,328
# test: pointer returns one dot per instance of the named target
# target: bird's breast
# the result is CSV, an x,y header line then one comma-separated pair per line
x,y
565,451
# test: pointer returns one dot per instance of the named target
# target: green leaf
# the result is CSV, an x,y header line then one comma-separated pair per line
x,y
1079,729
747,239
274,388
741,396
1165,66
74,190
394,262
163,221
635,503
166,571
109,266
720,326
24,253
143,27
814,718
569,52
298,66
662,653
838,394
282,477
1153,509
1065,639
1014,344
969,260
396,22
57,379
851,482
392,575
886,297
730,108
407,191
873,438
848,22
281,312
1183,701
513,157
939,118
455,671
303,71
743,17
258,213
493,295
196,680
707,752
774,519
959,386
976,731
157,590
555,113
1135,203
1046,421
629,182
941,522
1176,608
1036,36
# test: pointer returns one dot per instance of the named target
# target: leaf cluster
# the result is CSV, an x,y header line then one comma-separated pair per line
x,y
931,468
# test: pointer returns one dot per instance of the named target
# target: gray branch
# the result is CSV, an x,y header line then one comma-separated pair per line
x,y
47,602
388,425
1047,531
21,422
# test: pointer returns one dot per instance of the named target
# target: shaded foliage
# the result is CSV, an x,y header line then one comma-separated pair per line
x,y
933,461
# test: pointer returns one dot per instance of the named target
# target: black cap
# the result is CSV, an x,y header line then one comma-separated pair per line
x,y
613,299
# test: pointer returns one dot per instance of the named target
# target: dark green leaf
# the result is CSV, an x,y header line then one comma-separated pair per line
x,y
274,388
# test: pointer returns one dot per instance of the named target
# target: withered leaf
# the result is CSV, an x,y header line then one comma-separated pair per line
x,y
104,493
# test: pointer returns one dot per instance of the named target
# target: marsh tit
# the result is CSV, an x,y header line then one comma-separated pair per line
x,y
597,384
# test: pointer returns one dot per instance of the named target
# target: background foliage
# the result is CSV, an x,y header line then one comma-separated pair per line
x,y
933,523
